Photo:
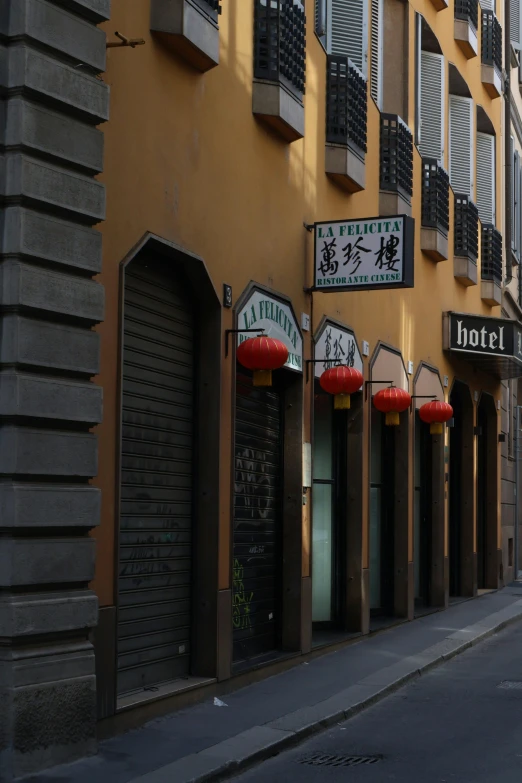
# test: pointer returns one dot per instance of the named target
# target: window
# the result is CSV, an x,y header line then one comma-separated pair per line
x,y
342,28
376,53
461,145
431,141
516,188
514,22
486,179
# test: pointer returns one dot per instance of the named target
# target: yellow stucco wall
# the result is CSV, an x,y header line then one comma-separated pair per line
x,y
186,159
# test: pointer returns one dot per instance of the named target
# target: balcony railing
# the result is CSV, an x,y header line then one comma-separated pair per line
x,y
466,228
396,155
491,254
491,40
467,10
279,43
435,196
346,103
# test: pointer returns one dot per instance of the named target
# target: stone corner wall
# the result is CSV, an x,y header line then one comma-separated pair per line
x,y
51,56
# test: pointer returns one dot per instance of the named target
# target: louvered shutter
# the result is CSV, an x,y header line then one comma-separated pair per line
x,y
432,106
512,183
514,21
486,177
376,52
487,5
320,20
519,210
461,145
515,203
349,31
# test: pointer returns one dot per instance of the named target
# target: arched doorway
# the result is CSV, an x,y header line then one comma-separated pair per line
x,y
462,571
487,540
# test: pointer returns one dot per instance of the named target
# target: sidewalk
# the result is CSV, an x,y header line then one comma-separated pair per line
x,y
205,742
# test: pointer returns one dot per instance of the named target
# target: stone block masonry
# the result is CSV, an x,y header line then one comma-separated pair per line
x,y
51,149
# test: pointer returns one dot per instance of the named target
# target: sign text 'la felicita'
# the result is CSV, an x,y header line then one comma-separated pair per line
x,y
364,254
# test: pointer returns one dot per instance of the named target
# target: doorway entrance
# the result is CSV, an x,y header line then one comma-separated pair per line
x,y
423,521
462,572
487,576
382,516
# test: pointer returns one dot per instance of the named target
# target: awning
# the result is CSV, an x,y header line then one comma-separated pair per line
x,y
492,345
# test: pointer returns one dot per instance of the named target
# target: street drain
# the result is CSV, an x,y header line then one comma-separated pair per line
x,y
511,685
325,760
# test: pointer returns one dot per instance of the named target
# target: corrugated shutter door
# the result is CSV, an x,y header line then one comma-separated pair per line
x,y
514,21
156,479
376,53
257,521
349,27
486,177
461,145
432,106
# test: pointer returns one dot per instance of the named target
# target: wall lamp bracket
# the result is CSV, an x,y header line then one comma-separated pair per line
x,y
422,397
237,331
369,383
309,226
333,362
124,41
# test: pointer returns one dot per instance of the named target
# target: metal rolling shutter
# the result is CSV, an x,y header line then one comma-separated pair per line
x,y
486,180
156,480
349,31
257,521
461,145
432,106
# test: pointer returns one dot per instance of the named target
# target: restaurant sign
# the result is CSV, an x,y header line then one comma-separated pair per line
x,y
335,345
276,318
354,255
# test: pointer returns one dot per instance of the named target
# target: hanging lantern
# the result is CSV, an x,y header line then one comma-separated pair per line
x,y
262,355
392,401
341,381
435,413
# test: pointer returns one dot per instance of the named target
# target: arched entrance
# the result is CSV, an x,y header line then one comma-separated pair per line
x,y
167,568
487,540
462,570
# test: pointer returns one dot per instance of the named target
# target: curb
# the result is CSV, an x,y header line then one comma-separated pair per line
x,y
237,754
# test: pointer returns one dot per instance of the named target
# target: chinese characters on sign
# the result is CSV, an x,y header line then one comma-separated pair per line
x,y
374,253
335,346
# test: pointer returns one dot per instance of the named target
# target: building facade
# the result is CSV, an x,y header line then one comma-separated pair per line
x,y
328,173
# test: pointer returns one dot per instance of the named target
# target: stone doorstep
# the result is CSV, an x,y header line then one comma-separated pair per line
x,y
262,742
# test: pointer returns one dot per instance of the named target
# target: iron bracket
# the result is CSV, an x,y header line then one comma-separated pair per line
x,y
369,383
237,331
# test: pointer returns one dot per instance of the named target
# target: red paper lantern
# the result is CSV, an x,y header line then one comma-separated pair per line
x,y
341,381
435,413
262,355
392,401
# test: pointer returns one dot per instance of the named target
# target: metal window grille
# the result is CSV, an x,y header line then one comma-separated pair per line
x,y
468,10
466,227
279,43
346,103
491,253
435,195
396,155
491,40
211,7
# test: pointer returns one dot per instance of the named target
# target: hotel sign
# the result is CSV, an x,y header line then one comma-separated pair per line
x,y
354,255
491,344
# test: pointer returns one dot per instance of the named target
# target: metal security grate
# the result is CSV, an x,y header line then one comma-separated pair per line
x,y
396,155
491,253
346,103
211,7
511,685
466,228
435,195
326,760
279,43
491,40
467,10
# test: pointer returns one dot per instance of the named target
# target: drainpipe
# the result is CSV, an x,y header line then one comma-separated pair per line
x,y
507,141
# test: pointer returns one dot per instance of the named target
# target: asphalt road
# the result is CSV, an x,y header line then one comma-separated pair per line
x,y
452,725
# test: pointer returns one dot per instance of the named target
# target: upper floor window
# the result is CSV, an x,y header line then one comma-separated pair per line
x,y
342,28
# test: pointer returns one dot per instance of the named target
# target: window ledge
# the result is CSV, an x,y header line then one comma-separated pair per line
x,y
346,167
273,105
393,203
434,243
491,80
439,5
185,29
466,37
465,270
491,293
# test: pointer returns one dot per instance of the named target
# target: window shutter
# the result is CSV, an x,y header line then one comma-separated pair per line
x,y
320,20
486,177
514,21
487,5
432,106
376,53
515,200
512,183
519,210
461,145
349,31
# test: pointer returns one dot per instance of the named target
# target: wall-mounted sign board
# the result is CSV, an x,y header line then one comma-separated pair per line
x,y
355,255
